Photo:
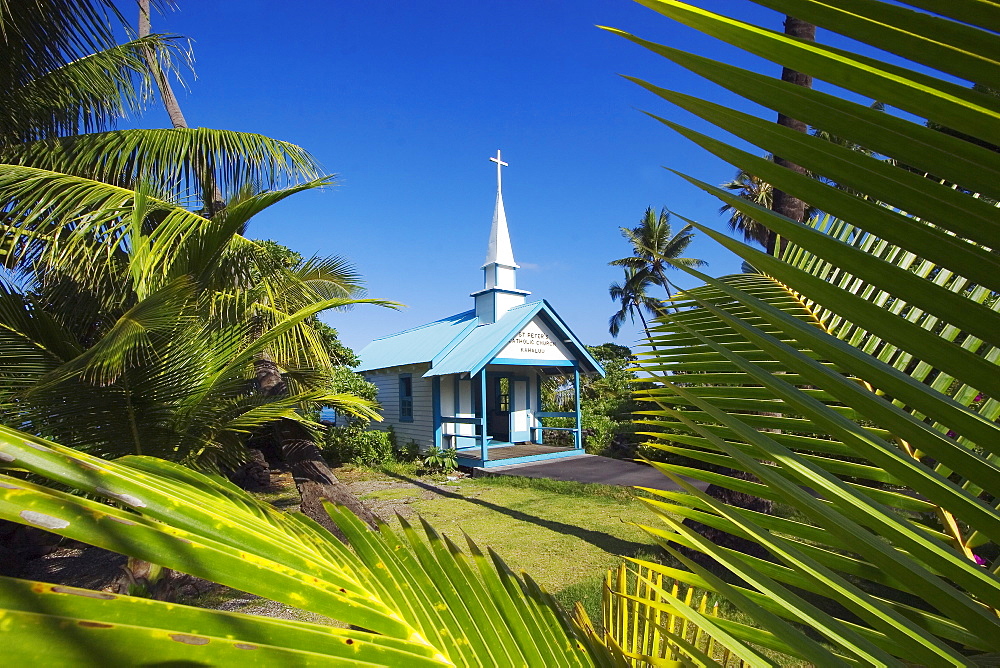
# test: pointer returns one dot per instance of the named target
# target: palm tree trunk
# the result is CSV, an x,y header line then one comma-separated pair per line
x,y
645,326
166,92
313,477
782,202
666,286
213,196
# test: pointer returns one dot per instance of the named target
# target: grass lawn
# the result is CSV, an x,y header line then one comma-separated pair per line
x,y
565,535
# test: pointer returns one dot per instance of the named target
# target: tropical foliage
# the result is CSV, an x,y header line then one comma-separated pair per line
x,y
753,188
607,404
655,248
634,301
641,620
853,380
131,323
873,340
419,598
151,354
65,83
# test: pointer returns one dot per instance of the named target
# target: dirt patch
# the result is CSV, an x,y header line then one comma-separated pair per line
x,y
389,497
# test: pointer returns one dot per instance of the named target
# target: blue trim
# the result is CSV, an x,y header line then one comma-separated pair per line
x,y
484,443
459,420
436,409
556,323
516,362
501,264
404,399
507,291
579,424
517,326
580,348
455,429
538,388
493,463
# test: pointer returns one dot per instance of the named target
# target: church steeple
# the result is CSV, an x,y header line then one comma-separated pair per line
x,y
499,251
499,293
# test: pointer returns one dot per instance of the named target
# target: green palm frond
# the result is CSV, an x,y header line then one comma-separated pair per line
x,y
52,214
41,36
653,242
85,95
419,598
852,381
631,293
330,277
733,338
129,339
173,159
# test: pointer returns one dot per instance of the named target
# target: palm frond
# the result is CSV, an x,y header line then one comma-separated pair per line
x,y
173,159
421,599
852,381
41,36
85,95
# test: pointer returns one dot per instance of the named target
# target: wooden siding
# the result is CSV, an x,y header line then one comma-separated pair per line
x,y
421,429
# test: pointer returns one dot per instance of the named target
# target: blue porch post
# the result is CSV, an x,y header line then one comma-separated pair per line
x,y
484,444
436,409
576,390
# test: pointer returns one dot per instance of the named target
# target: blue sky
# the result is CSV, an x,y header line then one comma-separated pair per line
x,y
406,101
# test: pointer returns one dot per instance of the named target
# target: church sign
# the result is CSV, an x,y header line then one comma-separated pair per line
x,y
535,342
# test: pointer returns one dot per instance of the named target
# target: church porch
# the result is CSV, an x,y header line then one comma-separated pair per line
x,y
505,454
504,402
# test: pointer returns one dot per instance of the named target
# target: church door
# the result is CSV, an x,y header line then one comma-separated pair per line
x,y
508,417
520,416
498,408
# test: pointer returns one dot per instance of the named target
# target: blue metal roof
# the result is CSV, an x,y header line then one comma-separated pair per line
x,y
484,342
420,344
462,344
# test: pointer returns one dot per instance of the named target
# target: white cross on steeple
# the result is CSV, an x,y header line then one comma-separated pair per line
x,y
499,293
500,163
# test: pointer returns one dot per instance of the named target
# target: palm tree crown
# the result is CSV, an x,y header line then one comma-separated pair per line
x,y
655,248
631,293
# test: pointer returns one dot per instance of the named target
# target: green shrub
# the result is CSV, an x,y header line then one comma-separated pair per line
x,y
354,444
441,460
598,432
407,453
560,439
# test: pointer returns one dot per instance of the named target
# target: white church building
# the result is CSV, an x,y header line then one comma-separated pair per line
x,y
472,381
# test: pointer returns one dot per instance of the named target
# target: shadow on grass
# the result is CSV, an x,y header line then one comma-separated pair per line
x,y
604,541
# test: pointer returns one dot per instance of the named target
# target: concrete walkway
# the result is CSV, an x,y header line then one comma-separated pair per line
x,y
591,468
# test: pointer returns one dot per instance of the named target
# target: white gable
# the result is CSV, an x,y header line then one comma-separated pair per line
x,y
536,342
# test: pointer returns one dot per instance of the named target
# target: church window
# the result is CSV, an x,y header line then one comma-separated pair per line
x,y
503,395
405,398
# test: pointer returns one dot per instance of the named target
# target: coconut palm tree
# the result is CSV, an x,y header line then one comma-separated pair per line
x,y
656,248
156,355
66,178
64,82
753,189
631,294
